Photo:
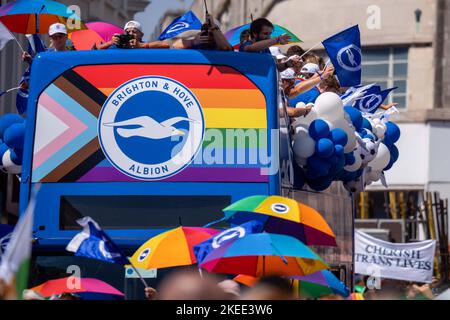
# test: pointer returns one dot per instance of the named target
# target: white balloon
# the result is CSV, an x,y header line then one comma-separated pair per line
x,y
9,165
382,159
304,146
329,106
380,130
356,166
373,176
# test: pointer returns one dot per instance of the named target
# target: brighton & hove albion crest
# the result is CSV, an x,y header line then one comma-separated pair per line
x,y
349,58
151,128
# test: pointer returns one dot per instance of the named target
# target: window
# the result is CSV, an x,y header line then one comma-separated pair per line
x,y
142,212
389,68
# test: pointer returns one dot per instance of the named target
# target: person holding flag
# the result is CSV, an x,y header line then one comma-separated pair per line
x,y
92,242
211,37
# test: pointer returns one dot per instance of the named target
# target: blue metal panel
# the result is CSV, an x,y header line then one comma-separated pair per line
x,y
259,68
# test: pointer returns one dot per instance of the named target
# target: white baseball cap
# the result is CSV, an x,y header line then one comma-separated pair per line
x,y
276,52
310,68
288,74
133,24
57,28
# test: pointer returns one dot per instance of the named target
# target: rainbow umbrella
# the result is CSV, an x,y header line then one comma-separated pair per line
x,y
34,16
92,285
283,215
311,286
171,248
234,34
96,33
321,283
261,254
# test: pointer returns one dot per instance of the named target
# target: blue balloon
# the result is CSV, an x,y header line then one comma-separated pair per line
x,y
333,159
3,149
317,167
299,176
324,148
338,150
349,159
338,166
16,157
320,184
366,124
14,135
7,120
355,116
394,157
347,176
318,129
338,136
392,132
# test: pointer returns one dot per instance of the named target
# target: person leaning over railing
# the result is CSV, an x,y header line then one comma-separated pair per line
x,y
132,39
210,38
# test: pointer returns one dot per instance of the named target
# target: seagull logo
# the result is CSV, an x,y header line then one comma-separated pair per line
x,y
352,61
149,127
178,26
151,141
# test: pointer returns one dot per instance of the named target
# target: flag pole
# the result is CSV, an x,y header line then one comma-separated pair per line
x,y
139,275
310,49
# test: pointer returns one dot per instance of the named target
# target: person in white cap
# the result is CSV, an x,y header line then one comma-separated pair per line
x,y
287,84
58,38
133,35
309,69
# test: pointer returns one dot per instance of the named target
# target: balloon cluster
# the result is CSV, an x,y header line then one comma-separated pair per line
x,y
12,135
338,143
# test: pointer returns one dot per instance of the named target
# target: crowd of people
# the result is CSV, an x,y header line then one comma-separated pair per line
x,y
303,75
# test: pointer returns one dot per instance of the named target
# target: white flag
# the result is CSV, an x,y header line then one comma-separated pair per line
x,y
16,259
5,36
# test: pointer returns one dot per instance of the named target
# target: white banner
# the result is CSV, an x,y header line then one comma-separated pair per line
x,y
400,261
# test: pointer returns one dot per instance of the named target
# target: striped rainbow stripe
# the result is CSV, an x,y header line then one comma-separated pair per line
x,y
228,98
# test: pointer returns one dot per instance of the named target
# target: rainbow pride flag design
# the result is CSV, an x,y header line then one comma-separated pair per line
x,y
66,147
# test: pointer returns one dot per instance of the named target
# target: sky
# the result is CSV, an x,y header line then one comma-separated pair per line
x,y
154,11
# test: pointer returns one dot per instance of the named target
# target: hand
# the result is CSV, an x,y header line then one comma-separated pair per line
x,y
390,105
210,21
200,40
328,72
308,109
115,39
283,39
294,61
24,85
150,293
27,57
135,44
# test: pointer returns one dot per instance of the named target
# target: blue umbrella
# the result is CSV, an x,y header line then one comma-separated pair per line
x,y
34,16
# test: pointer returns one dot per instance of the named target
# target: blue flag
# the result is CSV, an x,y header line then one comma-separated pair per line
x,y
35,46
94,243
188,21
344,50
372,99
202,249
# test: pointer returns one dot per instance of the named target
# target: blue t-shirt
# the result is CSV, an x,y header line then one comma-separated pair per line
x,y
309,96
247,43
